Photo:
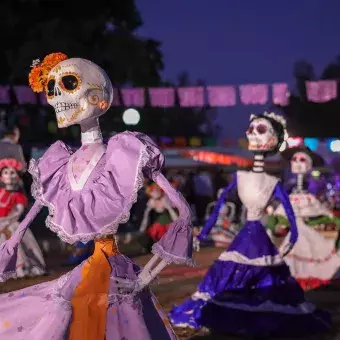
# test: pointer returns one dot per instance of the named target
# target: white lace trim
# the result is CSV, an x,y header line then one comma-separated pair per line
x,y
37,193
267,260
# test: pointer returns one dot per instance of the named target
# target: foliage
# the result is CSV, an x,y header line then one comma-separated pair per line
x,y
308,119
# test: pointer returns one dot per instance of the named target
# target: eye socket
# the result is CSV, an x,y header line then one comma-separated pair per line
x,y
250,129
70,82
50,88
261,129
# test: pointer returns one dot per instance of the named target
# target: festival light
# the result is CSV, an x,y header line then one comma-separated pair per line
x,y
131,117
335,145
294,142
316,173
312,143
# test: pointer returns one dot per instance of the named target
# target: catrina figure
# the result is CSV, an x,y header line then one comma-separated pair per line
x,y
314,260
30,260
249,289
224,230
165,213
89,193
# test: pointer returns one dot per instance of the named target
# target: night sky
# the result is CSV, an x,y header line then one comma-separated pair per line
x,y
235,42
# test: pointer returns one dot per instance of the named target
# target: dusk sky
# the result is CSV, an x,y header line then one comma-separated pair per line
x,y
235,42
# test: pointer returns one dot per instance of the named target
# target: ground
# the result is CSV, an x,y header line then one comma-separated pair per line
x,y
168,293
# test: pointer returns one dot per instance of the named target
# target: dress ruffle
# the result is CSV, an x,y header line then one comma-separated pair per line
x,y
108,195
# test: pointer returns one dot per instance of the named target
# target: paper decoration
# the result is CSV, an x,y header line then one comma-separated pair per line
x,y
254,94
280,94
243,143
5,97
191,96
162,97
180,141
165,141
195,141
25,95
321,91
220,96
133,97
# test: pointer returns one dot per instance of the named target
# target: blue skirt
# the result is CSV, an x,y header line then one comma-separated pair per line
x,y
249,290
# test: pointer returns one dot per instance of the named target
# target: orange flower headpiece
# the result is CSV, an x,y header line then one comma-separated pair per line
x,y
38,76
152,187
10,163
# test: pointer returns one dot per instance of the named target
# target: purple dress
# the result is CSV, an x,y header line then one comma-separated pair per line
x,y
84,213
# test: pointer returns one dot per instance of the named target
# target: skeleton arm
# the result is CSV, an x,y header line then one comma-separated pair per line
x,y
156,264
8,249
146,215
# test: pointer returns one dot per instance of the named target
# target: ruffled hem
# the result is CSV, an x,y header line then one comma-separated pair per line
x,y
8,275
314,260
37,193
157,249
312,283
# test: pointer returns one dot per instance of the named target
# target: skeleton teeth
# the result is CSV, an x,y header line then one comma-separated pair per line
x,y
62,106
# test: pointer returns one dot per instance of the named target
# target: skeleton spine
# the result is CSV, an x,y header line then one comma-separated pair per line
x,y
258,163
299,184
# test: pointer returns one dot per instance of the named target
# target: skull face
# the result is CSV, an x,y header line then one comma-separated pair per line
x,y
9,177
261,135
301,163
78,90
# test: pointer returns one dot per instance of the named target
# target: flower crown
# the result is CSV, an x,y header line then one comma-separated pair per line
x,y
280,120
152,187
274,116
10,163
37,78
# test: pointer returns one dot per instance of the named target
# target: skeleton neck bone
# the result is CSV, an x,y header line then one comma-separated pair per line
x,y
299,184
258,163
91,133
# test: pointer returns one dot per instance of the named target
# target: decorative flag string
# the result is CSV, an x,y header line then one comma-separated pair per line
x,y
194,96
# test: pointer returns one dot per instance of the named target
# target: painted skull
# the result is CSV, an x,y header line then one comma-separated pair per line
x,y
261,135
9,176
78,90
301,163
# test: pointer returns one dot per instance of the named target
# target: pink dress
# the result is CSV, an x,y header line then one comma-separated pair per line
x,y
83,210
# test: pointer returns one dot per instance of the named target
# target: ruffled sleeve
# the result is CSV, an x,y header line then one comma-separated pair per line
x,y
176,245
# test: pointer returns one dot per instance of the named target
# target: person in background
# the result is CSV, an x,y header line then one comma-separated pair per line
x,y
9,147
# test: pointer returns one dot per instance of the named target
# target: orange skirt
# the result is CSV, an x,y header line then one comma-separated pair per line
x,y
90,298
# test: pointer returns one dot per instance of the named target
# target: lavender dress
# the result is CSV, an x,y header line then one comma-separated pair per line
x,y
43,312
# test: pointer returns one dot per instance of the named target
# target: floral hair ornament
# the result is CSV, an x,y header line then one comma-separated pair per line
x,y
37,78
152,187
10,163
283,122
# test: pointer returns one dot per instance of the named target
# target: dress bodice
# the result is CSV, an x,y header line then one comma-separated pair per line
x,y
255,190
93,205
304,205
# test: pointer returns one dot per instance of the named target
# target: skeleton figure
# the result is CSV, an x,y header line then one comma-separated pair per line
x,y
313,260
89,193
244,291
30,261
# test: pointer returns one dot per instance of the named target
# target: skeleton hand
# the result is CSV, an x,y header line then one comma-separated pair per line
x,y
126,287
196,244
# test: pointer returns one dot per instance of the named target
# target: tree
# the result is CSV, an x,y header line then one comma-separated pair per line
x,y
308,119
104,32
